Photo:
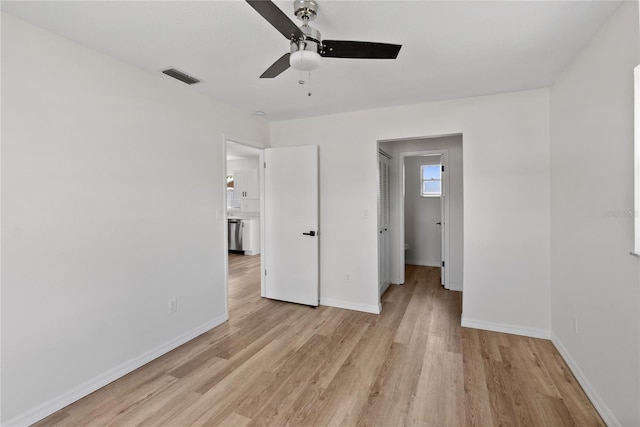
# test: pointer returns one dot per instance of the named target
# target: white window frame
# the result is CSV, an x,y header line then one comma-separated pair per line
x,y
422,181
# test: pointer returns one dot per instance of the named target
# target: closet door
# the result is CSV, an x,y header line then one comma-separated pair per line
x,y
384,252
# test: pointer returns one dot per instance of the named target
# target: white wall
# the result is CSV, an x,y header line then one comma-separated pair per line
x,y
453,145
111,181
594,278
506,201
242,164
421,214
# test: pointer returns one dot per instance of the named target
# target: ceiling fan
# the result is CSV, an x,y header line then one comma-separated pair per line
x,y
307,46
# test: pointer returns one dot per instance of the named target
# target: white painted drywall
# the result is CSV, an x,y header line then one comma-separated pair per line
x,y
594,278
112,179
242,164
453,145
421,215
506,200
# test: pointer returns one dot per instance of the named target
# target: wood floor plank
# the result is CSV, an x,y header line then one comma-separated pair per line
x,y
578,404
411,317
536,377
477,402
502,406
342,344
395,310
118,405
291,379
222,399
553,412
391,393
252,349
440,389
283,364
235,420
346,395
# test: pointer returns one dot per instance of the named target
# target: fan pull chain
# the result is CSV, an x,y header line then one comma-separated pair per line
x,y
309,94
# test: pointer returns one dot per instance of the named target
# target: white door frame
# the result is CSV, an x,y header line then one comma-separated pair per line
x,y
444,153
260,148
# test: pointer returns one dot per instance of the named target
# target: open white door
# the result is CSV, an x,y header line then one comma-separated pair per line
x,y
291,248
443,223
444,215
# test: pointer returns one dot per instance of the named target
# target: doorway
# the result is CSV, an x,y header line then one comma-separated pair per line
x,y
243,235
425,210
450,147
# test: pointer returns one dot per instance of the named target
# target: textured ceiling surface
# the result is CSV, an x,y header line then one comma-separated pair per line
x,y
450,49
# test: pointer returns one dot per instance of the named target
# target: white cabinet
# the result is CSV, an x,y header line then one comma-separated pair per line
x,y
245,184
251,236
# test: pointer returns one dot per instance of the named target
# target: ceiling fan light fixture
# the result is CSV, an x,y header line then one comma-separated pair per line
x,y
305,60
307,45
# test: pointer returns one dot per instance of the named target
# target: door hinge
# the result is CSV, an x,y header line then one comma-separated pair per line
x,y
265,272
443,263
442,168
265,165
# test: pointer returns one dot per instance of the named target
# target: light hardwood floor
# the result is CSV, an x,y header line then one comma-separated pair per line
x,y
285,364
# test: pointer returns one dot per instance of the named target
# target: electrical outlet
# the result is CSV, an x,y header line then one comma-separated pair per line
x,y
173,305
575,324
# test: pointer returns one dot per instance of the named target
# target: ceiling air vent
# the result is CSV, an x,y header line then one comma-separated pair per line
x,y
179,75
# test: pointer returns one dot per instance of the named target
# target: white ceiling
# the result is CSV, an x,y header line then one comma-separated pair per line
x,y
451,49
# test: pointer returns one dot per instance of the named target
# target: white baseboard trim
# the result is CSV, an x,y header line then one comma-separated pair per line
x,y
457,288
507,329
396,281
423,263
47,408
591,393
375,309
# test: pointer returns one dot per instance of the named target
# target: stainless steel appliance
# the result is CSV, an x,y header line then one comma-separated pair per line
x,y
235,235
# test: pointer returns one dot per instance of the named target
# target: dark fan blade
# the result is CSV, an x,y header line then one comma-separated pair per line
x,y
278,67
277,18
367,50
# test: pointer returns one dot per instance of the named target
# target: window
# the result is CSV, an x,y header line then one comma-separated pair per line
x,y
431,180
